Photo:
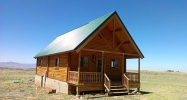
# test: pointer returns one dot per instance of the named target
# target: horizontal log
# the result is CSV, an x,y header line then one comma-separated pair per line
x,y
116,30
109,52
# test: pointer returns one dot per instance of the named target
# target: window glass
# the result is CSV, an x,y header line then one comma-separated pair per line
x,y
40,62
114,63
84,62
57,62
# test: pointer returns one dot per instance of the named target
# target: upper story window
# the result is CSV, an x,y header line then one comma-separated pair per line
x,y
84,62
40,62
57,62
114,63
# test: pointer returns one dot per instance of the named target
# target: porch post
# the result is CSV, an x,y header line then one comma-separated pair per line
x,y
125,65
48,66
138,73
102,64
68,66
122,69
36,65
79,58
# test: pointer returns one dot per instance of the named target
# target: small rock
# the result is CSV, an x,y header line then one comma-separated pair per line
x,y
16,81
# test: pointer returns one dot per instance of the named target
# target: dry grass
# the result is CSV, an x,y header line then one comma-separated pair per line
x,y
19,85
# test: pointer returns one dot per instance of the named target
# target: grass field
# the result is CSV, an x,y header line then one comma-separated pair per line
x,y
19,85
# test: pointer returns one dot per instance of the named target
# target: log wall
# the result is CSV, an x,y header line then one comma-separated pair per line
x,y
74,61
113,73
58,73
48,64
92,60
41,69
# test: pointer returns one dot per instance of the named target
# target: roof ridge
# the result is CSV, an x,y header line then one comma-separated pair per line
x,y
102,16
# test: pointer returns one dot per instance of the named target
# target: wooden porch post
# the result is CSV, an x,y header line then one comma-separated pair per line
x,y
122,69
125,65
68,66
47,66
77,88
138,73
102,64
36,65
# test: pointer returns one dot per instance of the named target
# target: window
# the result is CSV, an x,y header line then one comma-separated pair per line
x,y
114,63
84,62
57,62
40,62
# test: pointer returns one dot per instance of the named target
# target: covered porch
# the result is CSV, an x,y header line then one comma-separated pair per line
x,y
86,80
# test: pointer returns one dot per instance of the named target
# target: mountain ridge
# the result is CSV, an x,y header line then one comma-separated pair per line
x,y
16,65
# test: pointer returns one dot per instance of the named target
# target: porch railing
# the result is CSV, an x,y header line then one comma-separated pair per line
x,y
126,82
73,77
133,77
90,77
131,80
107,83
85,77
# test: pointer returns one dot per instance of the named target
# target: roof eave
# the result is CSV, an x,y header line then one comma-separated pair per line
x,y
54,54
139,52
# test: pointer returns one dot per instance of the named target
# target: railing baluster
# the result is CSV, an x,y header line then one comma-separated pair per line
x,y
85,77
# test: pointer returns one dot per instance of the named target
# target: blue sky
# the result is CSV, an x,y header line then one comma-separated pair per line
x,y
159,27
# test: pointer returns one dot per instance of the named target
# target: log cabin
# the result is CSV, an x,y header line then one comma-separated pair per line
x,y
91,57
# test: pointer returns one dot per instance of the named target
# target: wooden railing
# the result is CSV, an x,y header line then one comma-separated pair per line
x,y
107,83
131,80
73,77
126,82
85,77
133,77
90,77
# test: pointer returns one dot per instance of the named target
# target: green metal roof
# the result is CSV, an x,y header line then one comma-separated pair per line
x,y
73,39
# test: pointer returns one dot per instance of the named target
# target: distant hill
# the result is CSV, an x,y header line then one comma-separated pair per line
x,y
16,65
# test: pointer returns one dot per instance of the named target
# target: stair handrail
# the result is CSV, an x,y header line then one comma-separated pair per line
x,y
107,82
126,82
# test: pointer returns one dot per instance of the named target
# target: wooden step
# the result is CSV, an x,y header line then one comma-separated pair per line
x,y
118,89
119,92
116,83
116,86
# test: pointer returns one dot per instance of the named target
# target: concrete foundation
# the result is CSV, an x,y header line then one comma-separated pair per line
x,y
38,80
59,86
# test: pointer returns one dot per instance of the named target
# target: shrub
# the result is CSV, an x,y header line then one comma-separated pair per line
x,y
170,71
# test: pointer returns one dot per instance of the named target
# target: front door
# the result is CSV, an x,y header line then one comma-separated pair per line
x,y
99,65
